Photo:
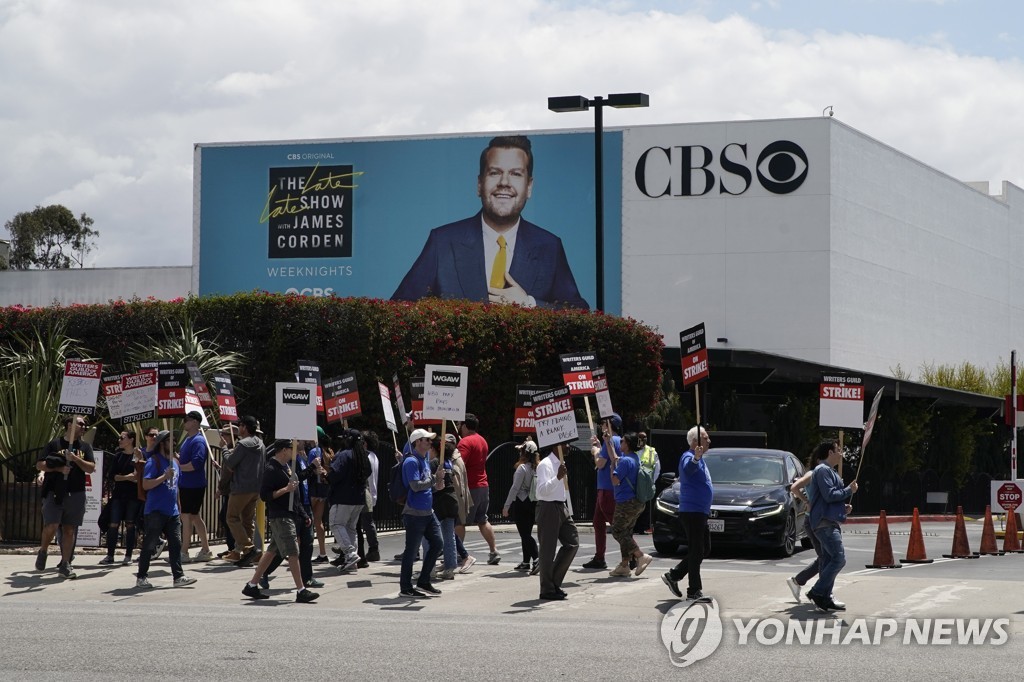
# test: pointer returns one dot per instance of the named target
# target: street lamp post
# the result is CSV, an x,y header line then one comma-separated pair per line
x,y
580,103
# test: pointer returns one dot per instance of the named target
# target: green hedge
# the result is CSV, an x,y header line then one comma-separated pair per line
x,y
502,345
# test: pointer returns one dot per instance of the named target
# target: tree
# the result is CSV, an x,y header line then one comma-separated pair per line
x,y
49,238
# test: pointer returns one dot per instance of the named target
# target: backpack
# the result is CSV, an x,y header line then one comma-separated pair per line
x,y
396,488
645,489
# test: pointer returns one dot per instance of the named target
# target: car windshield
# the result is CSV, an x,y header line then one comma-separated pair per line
x,y
746,470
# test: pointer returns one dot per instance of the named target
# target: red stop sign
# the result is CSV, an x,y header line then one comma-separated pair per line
x,y
1009,496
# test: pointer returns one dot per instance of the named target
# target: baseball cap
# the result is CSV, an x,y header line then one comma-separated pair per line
x,y
450,438
616,421
421,433
529,446
195,414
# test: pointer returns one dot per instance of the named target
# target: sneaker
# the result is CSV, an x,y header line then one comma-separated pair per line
x,y
306,596
447,574
265,582
673,585
205,555
524,566
362,563
836,605
66,571
143,584
620,571
246,558
106,561
159,548
535,569
321,559
596,563
466,564
336,549
429,589
184,581
632,563
185,558
493,558
41,560
413,593
348,566
697,597
794,587
373,555
253,592
642,563
313,582
127,561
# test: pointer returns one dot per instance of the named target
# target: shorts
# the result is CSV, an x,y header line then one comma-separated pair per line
x,y
481,503
191,499
283,539
70,513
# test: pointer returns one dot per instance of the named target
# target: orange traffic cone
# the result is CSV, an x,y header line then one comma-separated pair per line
x,y
988,536
883,547
915,548
1010,541
961,548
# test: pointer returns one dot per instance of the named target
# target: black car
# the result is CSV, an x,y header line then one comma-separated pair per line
x,y
751,506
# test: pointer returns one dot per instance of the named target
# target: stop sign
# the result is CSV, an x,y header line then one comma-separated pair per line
x,y
1009,496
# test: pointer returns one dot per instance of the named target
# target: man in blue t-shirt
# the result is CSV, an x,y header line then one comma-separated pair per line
x,y
695,492
160,480
192,459
604,503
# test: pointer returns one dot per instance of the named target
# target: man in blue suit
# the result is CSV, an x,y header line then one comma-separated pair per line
x,y
496,256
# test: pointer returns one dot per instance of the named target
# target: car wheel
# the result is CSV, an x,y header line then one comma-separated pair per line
x,y
788,546
665,548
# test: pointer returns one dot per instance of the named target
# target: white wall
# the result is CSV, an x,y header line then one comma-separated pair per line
x,y
41,288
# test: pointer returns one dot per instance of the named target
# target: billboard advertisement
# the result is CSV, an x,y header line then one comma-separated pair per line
x,y
501,219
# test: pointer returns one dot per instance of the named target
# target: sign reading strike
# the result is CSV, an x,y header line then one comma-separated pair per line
x,y
112,394
138,396
170,397
192,403
417,404
524,409
601,394
385,403
553,417
403,415
445,389
1006,495
693,352
224,391
577,372
841,401
80,388
295,416
309,373
342,398
199,384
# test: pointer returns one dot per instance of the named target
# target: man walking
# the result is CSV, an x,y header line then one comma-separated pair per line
x,y
473,449
554,526
828,511
247,460
192,459
695,491
604,503
418,517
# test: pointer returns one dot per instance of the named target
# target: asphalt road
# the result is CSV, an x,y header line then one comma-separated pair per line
x,y
489,624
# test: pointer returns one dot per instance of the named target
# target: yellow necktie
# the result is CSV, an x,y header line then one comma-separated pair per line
x,y
498,269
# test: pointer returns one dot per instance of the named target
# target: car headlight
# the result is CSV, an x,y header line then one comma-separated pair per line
x,y
762,512
665,507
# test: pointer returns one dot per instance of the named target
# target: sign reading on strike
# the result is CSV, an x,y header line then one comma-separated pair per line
x,y
309,373
224,391
578,372
112,394
402,413
524,409
342,398
199,384
170,397
553,417
601,394
693,352
192,403
80,388
138,396
841,401
445,389
295,416
1006,495
385,403
417,404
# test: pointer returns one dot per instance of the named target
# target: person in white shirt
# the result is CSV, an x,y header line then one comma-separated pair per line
x,y
554,526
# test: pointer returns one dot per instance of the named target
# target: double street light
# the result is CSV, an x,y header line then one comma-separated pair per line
x,y
579,103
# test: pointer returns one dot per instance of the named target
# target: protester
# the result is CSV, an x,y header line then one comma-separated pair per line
x,y
695,490
473,449
819,455
604,502
445,505
627,506
246,462
418,517
348,478
66,460
192,460
366,525
319,490
124,499
460,485
521,504
160,479
650,461
228,436
828,511
554,526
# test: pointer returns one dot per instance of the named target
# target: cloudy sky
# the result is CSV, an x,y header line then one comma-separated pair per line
x,y
102,101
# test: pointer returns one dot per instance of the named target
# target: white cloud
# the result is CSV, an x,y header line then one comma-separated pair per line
x,y
101,102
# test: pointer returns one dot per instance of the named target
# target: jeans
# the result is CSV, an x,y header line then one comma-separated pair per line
x,y
417,528
811,569
448,537
833,558
157,523
126,511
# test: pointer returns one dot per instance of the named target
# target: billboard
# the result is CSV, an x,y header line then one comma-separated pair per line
x,y
404,217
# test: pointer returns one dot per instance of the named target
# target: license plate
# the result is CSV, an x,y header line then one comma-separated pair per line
x,y
716,525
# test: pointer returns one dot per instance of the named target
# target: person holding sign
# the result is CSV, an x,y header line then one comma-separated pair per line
x,y
65,462
695,491
828,511
627,506
124,498
192,459
554,526
418,517
604,503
